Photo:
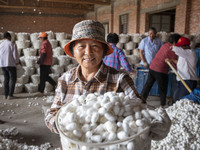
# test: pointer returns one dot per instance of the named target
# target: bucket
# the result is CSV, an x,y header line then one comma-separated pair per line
x,y
137,140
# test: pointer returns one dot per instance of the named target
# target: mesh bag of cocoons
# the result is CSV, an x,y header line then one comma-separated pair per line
x,y
60,36
19,51
13,36
124,38
63,43
1,35
18,88
54,43
126,52
57,69
136,38
35,78
196,38
136,52
54,76
48,87
74,61
130,45
133,59
1,89
120,45
34,36
111,121
31,88
22,36
36,44
50,35
20,71
29,52
29,70
30,61
58,51
23,79
70,66
22,44
64,60
22,61
185,132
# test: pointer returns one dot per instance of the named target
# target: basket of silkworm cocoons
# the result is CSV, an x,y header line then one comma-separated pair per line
x,y
111,121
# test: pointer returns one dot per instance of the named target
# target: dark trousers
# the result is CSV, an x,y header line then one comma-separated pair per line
x,y
44,76
162,81
182,91
10,77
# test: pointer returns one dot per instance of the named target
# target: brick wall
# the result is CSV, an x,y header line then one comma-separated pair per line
x,y
36,23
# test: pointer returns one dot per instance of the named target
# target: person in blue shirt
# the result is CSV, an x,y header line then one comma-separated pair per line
x,y
148,47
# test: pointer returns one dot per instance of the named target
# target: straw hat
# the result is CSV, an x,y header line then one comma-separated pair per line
x,y
88,29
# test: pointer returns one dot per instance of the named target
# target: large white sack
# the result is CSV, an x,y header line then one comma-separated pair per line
x,y
120,45
22,36
54,60
22,44
68,36
20,71
18,88
124,38
23,79
13,36
1,35
29,52
130,45
58,51
48,87
29,70
2,78
54,43
31,88
60,36
30,61
50,35
36,44
63,43
54,76
1,89
70,66
22,61
35,78
57,69
63,60
34,36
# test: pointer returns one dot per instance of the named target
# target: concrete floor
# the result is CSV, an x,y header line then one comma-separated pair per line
x,y
25,113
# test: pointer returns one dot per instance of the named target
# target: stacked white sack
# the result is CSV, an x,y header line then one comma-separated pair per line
x,y
103,118
54,43
1,35
130,45
60,36
18,88
63,60
68,36
57,69
58,51
50,35
133,59
124,38
36,44
54,76
35,79
20,71
13,36
34,36
22,44
48,87
1,78
31,88
63,43
70,66
22,61
30,61
185,132
54,60
29,52
136,38
23,79
22,36
29,70
120,45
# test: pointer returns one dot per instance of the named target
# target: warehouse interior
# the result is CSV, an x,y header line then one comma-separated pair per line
x,y
24,126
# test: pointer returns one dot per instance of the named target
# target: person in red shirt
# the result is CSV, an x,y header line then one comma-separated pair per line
x,y
158,70
45,62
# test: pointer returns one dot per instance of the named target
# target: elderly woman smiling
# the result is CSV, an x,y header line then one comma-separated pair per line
x,y
88,47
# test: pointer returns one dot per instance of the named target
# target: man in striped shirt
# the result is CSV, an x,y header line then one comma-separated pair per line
x,y
117,58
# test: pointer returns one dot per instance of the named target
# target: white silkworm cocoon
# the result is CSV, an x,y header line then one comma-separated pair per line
x,y
71,126
88,119
121,96
99,129
97,105
119,124
126,128
112,136
105,100
116,109
128,108
108,105
81,99
102,111
127,113
128,119
110,126
133,126
96,138
155,115
91,111
131,146
110,117
105,135
138,115
139,123
114,99
91,96
146,114
77,133
121,112
71,117
75,103
136,109
85,128
122,135
95,117
88,134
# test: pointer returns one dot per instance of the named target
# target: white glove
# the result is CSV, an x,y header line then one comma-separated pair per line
x,y
160,128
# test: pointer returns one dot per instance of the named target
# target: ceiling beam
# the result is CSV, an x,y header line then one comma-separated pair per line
x,y
4,1
22,1
94,2
49,9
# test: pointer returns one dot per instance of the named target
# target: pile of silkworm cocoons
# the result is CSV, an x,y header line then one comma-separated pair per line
x,y
185,132
95,118
6,142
